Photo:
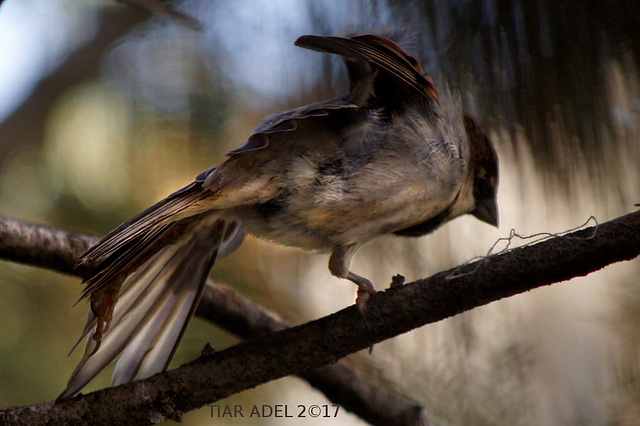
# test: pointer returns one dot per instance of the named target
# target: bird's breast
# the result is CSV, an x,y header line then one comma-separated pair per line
x,y
324,202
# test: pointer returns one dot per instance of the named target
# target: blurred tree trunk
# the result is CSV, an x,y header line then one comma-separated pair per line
x,y
27,124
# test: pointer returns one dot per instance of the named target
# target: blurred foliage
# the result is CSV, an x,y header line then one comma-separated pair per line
x,y
556,83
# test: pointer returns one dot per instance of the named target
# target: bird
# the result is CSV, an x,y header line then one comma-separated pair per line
x,y
394,155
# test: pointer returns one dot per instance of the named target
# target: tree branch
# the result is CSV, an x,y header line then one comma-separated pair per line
x,y
322,342
39,245
46,247
341,384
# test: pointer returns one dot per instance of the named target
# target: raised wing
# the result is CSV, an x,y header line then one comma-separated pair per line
x,y
397,74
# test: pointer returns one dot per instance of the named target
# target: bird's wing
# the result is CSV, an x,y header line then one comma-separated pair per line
x,y
398,73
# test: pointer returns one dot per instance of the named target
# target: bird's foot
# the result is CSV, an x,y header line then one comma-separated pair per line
x,y
365,290
103,304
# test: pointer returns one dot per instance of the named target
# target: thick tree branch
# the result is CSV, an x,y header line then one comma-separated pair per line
x,y
340,383
39,245
42,246
322,342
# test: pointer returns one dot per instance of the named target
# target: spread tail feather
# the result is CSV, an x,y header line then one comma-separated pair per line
x,y
156,303
124,249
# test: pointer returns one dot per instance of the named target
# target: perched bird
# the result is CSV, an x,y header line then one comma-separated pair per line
x,y
393,156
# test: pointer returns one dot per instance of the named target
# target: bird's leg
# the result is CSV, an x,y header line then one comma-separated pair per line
x,y
339,263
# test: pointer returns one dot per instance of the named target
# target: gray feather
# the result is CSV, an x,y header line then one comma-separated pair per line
x,y
155,306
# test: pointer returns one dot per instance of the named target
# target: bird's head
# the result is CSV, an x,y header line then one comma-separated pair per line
x,y
483,169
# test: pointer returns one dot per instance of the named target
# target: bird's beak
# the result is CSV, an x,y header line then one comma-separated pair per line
x,y
487,211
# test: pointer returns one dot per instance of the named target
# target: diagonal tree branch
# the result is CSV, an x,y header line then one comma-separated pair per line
x,y
51,248
341,384
322,342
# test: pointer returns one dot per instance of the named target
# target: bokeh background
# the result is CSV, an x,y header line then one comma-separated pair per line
x,y
105,109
